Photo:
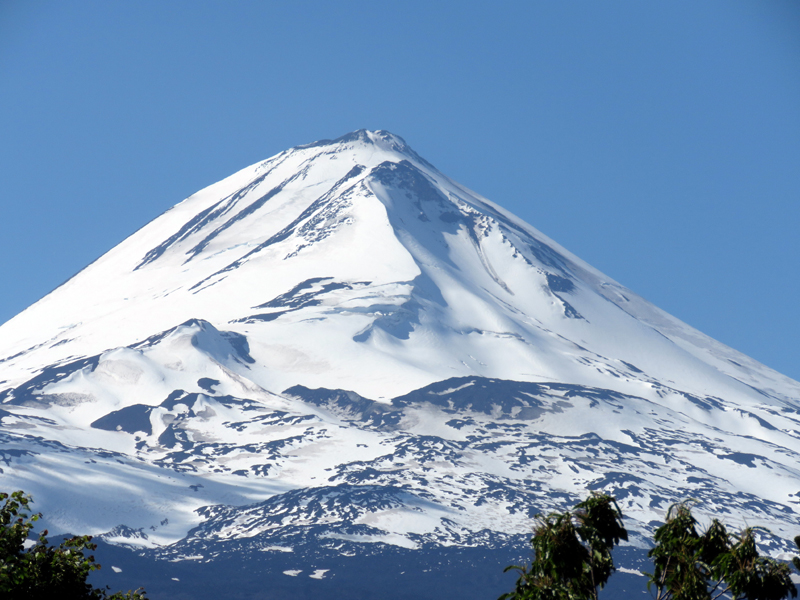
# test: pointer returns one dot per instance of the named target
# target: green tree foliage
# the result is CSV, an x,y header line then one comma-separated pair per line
x,y
715,564
572,558
572,552
42,571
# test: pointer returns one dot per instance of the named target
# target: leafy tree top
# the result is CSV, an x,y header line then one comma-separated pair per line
x,y
572,558
43,571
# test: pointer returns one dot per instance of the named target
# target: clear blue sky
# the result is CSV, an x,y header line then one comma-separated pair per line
x,y
659,141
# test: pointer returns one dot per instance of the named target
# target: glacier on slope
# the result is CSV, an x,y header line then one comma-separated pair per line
x,y
342,344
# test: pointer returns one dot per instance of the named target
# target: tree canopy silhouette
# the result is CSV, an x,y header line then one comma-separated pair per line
x,y
572,558
42,571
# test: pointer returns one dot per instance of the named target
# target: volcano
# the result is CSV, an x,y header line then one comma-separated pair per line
x,y
340,357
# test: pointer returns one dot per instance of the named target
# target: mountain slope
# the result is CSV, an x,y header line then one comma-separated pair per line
x,y
340,343
400,261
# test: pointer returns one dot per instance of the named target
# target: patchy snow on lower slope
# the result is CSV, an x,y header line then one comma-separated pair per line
x,y
451,463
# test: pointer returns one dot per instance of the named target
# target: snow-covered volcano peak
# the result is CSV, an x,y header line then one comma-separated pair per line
x,y
357,348
355,263
378,139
